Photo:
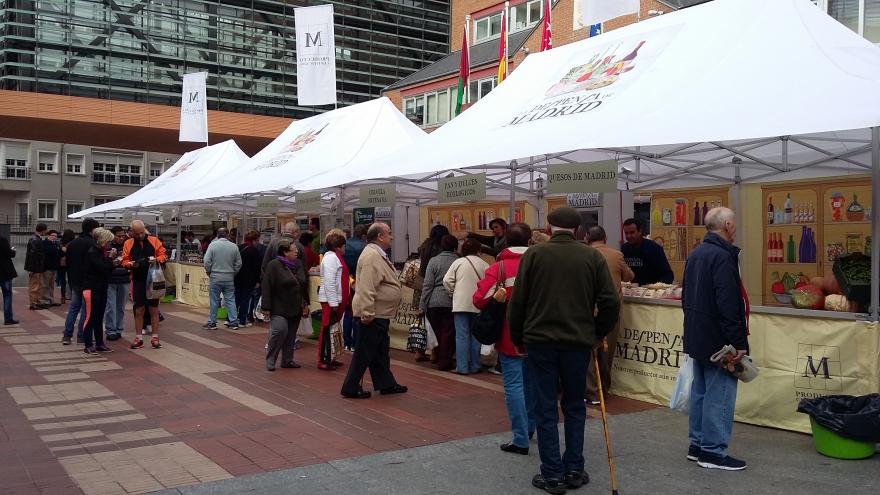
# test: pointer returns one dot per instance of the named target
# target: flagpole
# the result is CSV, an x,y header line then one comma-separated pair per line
x,y
467,42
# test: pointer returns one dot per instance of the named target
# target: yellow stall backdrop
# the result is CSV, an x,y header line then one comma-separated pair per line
x,y
798,358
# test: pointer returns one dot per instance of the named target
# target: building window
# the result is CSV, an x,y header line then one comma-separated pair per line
x,y
75,164
481,88
16,169
74,207
862,16
431,109
487,28
101,201
112,169
47,162
525,15
155,170
46,210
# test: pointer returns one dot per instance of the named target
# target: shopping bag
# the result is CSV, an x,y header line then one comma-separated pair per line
x,y
418,337
432,337
335,341
155,282
487,350
681,391
258,311
305,327
409,274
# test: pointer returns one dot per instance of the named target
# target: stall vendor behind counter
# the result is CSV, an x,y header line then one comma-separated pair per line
x,y
644,256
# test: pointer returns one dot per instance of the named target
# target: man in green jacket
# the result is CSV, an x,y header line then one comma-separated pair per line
x,y
565,302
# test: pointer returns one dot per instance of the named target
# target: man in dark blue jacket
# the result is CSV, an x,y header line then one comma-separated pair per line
x,y
715,315
646,258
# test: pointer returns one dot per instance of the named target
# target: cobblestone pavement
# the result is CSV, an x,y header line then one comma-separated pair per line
x,y
203,408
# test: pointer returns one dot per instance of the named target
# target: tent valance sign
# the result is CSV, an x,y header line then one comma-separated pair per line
x,y
209,214
471,187
582,177
584,200
308,202
267,204
375,195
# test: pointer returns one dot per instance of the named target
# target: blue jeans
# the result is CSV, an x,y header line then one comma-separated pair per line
x,y
61,278
76,308
244,301
519,397
227,288
549,368
467,349
710,416
6,287
114,317
349,329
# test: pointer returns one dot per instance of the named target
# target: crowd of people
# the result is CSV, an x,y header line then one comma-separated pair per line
x,y
561,289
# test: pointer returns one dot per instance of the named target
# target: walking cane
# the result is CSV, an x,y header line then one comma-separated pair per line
x,y
605,418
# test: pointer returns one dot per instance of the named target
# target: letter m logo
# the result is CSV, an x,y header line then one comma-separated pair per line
x,y
818,367
194,97
313,40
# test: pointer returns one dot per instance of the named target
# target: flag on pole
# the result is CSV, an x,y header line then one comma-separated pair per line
x,y
595,29
546,33
502,47
194,108
315,55
464,68
598,11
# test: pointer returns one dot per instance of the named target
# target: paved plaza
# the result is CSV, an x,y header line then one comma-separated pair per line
x,y
201,415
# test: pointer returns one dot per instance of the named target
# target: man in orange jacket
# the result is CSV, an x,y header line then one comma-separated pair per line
x,y
140,253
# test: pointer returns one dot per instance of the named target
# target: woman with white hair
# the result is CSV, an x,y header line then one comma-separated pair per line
x,y
99,265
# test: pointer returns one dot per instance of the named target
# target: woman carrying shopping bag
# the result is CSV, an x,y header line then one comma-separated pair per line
x,y
436,303
461,281
334,297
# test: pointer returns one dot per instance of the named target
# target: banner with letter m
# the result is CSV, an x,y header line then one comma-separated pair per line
x,y
194,108
315,55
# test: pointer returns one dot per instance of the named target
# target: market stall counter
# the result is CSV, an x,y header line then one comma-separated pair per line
x,y
800,354
192,289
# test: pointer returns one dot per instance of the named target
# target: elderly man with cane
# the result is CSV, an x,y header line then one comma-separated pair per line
x,y
551,316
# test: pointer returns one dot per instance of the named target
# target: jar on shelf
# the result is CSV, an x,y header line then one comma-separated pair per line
x,y
855,212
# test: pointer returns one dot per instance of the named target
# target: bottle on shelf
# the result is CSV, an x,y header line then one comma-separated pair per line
x,y
787,209
803,253
771,248
697,216
770,210
705,209
811,245
789,251
811,213
780,248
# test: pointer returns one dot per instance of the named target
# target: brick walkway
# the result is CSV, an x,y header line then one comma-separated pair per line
x,y
203,408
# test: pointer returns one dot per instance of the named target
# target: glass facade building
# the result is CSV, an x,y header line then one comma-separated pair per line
x,y
138,50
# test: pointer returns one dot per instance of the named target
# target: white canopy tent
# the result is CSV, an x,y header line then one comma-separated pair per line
x,y
193,168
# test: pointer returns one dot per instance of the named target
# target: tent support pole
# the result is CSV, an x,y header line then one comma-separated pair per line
x,y
243,230
875,223
638,158
179,233
512,215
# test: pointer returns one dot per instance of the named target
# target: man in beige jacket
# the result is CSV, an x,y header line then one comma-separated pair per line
x,y
375,304
620,272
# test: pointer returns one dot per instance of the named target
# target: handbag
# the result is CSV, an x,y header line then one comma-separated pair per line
x,y
335,341
486,326
155,282
418,337
410,272
681,392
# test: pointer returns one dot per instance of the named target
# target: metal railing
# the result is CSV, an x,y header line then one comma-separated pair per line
x,y
16,173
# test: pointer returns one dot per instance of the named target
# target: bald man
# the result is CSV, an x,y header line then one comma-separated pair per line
x,y
138,254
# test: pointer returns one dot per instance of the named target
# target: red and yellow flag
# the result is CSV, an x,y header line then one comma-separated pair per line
x,y
502,47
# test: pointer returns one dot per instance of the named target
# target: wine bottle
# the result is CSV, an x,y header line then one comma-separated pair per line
x,y
803,253
811,246
790,250
697,217
705,210
777,248
787,209
770,211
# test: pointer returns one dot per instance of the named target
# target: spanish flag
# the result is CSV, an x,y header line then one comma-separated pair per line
x,y
502,47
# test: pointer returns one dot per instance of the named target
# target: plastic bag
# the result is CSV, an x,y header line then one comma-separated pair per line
x,y
305,327
155,282
487,350
432,337
681,392
856,418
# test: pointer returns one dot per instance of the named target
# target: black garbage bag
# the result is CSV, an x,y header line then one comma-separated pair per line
x,y
856,418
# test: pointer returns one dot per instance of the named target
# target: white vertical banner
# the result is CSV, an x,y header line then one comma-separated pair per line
x,y
194,108
596,11
315,55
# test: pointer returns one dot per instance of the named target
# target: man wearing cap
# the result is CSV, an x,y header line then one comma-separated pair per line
x,y
565,302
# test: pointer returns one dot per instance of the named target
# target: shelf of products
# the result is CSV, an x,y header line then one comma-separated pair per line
x,y
677,221
808,225
473,217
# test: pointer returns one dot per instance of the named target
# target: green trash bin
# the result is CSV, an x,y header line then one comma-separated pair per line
x,y
829,443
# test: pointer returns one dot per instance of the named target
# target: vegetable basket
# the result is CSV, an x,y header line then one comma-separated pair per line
x,y
855,287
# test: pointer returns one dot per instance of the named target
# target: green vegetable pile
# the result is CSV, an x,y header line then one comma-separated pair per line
x,y
857,270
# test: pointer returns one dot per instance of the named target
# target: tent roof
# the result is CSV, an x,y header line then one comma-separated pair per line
x,y
192,168
311,153
691,94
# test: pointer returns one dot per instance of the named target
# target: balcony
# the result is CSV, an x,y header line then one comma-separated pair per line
x,y
16,173
123,180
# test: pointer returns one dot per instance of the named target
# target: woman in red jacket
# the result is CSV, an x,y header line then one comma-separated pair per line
x,y
517,385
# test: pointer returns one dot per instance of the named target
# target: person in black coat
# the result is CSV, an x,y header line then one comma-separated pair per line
x,y
7,275
66,238
77,261
285,300
715,314
100,260
247,278
646,258
51,264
